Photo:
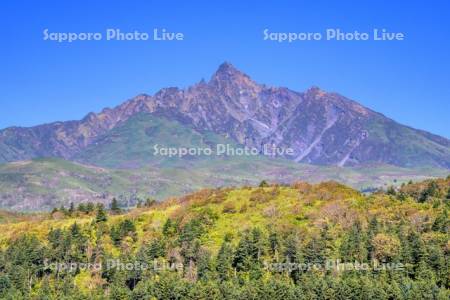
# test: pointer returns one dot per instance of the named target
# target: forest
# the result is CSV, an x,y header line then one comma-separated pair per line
x,y
272,241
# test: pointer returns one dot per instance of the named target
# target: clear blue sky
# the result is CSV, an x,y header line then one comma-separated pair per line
x,y
44,81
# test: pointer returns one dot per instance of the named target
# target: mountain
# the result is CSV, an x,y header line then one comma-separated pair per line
x,y
298,241
320,127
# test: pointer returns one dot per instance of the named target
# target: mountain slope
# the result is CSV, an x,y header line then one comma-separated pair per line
x,y
302,241
43,184
321,128
132,143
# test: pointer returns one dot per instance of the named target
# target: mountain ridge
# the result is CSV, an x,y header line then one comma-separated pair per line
x,y
321,127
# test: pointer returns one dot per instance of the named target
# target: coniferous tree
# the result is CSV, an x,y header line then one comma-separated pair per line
x,y
372,231
274,244
263,184
115,206
442,222
5,285
82,208
204,265
101,214
90,207
391,191
155,249
432,190
149,202
354,246
243,254
71,209
314,251
169,228
293,255
123,229
224,261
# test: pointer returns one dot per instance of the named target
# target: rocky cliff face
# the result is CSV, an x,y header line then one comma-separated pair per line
x,y
321,128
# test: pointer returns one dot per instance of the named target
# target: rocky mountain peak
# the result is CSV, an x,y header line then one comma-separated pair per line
x,y
321,127
227,69
228,76
315,92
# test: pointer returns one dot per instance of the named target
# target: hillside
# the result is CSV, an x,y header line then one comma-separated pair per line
x,y
42,184
320,127
266,242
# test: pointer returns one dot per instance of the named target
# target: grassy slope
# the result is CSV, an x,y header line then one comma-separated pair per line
x,y
131,144
46,183
409,147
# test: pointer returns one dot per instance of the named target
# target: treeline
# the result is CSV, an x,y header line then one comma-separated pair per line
x,y
88,208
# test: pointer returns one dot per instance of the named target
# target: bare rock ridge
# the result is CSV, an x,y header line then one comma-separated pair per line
x,y
322,128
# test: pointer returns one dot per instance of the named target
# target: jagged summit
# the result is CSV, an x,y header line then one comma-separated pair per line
x,y
228,75
227,72
227,68
321,128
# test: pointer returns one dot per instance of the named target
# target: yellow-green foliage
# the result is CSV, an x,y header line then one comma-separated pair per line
x,y
302,207
225,237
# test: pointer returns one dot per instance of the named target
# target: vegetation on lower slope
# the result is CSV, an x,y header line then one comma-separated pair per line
x,y
42,184
131,144
265,242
